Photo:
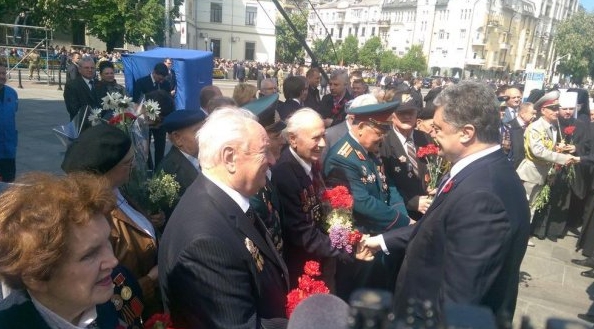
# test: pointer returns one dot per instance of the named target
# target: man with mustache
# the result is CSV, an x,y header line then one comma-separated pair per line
x,y
353,162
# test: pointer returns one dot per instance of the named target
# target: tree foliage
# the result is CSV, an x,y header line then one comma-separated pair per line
x,y
369,55
388,61
288,47
349,50
413,60
112,21
574,36
324,51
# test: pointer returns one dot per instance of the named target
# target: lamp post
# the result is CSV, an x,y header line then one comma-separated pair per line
x,y
554,65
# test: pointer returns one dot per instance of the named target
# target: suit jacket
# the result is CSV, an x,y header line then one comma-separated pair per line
x,y
581,139
18,312
417,97
216,269
313,99
176,163
77,95
286,108
327,108
376,207
432,94
400,174
145,85
516,132
303,223
539,154
267,205
469,245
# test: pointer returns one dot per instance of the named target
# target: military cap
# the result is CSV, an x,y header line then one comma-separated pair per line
x,y
97,150
377,114
549,100
182,119
265,109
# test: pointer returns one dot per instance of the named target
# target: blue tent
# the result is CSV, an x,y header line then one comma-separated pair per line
x,y
193,69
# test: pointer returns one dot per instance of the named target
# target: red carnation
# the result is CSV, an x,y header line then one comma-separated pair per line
x,y
447,187
355,237
429,149
312,268
338,197
568,131
118,118
158,321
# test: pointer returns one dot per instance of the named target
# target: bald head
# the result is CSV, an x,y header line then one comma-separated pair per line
x,y
207,93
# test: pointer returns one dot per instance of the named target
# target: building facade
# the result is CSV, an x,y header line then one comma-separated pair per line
x,y
462,38
231,29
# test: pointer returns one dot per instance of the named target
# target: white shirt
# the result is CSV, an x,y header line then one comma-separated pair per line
x,y
88,82
402,138
55,321
306,166
242,201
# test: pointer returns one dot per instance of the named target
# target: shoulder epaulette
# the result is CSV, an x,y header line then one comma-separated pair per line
x,y
345,150
360,155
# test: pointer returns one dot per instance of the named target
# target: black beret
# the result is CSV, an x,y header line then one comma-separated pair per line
x,y
320,311
182,119
97,150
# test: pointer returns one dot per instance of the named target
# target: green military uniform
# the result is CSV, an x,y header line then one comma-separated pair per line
x,y
376,207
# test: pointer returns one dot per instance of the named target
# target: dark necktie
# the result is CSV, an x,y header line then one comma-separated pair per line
x,y
91,85
318,182
412,156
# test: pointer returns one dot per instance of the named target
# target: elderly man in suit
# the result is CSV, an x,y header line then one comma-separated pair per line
x,y
333,105
404,170
469,245
298,179
526,114
514,99
80,92
156,80
182,159
219,267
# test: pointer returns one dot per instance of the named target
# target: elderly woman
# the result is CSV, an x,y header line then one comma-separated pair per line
x,y
56,254
106,150
243,93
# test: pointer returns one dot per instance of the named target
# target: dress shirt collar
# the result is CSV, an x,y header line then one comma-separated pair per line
x,y
203,110
242,201
192,159
306,165
296,100
401,137
464,162
521,122
55,321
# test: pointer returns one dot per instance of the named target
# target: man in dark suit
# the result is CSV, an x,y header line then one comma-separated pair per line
x,y
435,90
80,92
526,114
313,100
182,159
218,267
469,245
415,92
404,170
333,104
72,69
298,179
171,76
157,80
295,92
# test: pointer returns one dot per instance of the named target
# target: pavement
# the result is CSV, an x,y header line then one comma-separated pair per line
x,y
551,286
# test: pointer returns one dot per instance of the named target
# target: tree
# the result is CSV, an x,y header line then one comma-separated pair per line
x,y
369,55
388,61
413,60
288,47
349,50
574,36
324,51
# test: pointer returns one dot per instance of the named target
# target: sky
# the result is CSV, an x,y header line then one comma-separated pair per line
x,y
588,4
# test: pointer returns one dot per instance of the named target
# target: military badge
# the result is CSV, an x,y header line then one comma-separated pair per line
x,y
402,159
364,169
255,252
117,301
126,293
397,169
360,155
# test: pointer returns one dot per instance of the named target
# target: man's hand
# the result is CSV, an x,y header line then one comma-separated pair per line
x,y
424,203
371,243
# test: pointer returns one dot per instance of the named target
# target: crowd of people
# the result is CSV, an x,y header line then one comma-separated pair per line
x,y
253,171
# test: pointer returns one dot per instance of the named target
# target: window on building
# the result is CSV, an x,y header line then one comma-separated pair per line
x,y
215,47
441,34
373,31
332,32
463,34
216,12
340,32
350,31
362,31
356,31
251,12
250,51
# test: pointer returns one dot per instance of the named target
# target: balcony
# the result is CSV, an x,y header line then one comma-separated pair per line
x,y
475,61
478,42
383,23
504,45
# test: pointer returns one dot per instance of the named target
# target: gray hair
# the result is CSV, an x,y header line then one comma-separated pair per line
x,y
340,75
471,103
86,59
227,125
300,120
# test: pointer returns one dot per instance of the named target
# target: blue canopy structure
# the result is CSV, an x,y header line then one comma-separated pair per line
x,y
193,69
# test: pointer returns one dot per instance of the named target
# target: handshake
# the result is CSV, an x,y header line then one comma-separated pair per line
x,y
367,247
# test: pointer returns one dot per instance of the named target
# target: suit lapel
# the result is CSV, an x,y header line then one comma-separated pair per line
x,y
186,168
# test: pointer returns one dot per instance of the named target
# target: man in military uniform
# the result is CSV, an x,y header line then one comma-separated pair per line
x,y
353,162
266,202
